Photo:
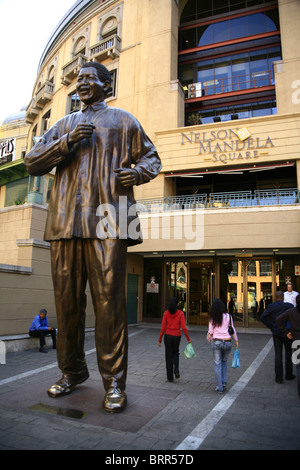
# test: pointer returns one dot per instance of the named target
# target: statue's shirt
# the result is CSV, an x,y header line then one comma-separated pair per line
x,y
85,178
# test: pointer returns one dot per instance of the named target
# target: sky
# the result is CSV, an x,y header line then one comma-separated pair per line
x,y
25,27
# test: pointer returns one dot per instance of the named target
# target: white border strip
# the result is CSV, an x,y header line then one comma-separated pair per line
x,y
194,440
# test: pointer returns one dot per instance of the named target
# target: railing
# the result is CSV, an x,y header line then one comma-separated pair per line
x,y
274,197
70,69
234,199
44,93
220,200
107,47
236,83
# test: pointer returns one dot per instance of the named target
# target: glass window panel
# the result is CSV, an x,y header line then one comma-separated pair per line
x,y
206,76
252,268
265,268
261,109
238,27
256,24
240,72
221,31
188,39
207,117
222,75
205,35
189,12
236,5
243,111
272,25
204,8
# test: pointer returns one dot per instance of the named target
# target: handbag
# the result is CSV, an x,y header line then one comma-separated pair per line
x,y
230,329
236,359
189,351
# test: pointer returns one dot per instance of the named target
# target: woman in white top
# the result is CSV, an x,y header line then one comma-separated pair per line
x,y
221,341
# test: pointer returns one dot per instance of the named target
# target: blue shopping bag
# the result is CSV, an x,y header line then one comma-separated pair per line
x,y
236,359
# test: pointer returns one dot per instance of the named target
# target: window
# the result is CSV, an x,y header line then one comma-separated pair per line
x,y
206,116
228,67
251,270
74,102
45,122
227,30
199,9
232,73
265,268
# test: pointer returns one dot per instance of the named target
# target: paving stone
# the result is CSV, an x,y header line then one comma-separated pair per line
x,y
160,415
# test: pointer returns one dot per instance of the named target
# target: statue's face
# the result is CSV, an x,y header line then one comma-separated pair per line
x,y
89,87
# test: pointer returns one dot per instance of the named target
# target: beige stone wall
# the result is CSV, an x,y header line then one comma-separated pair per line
x,y
25,271
287,78
221,229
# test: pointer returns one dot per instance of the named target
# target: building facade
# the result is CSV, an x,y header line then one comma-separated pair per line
x,y
216,86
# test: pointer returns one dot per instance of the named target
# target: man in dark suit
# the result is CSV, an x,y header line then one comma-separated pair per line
x,y
99,153
268,317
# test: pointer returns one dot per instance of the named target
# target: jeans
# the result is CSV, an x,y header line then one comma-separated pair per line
x,y
279,343
221,350
172,355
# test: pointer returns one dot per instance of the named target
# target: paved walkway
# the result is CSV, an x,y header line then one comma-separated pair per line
x,y
254,413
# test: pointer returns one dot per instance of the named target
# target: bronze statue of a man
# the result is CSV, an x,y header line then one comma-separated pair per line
x,y
99,153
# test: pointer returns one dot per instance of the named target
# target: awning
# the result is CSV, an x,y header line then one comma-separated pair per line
x,y
12,171
230,171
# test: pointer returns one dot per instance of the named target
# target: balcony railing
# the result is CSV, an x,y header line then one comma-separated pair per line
x,y
44,93
220,200
71,69
232,84
109,47
32,111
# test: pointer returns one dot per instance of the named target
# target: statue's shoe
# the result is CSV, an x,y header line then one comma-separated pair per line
x,y
66,385
115,400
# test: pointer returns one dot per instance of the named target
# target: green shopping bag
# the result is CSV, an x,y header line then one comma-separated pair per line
x,y
189,351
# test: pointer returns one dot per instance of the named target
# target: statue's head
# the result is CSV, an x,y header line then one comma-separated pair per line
x,y
93,82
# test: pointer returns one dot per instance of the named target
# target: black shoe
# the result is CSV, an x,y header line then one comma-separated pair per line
x,y
177,375
279,381
291,377
43,350
54,346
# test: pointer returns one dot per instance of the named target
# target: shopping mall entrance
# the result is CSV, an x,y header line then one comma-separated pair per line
x,y
190,280
245,283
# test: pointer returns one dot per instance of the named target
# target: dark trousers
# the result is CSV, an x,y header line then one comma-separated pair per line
x,y
103,264
280,343
41,335
172,355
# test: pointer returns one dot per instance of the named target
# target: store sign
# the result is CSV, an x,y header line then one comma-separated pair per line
x,y
7,150
297,270
228,145
152,287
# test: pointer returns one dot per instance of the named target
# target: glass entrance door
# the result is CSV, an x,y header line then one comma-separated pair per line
x,y
246,288
201,291
177,279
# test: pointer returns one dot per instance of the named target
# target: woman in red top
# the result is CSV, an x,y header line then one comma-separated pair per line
x,y
172,323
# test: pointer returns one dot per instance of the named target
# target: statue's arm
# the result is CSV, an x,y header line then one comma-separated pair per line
x,y
49,152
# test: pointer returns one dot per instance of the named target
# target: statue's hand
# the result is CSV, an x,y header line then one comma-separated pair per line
x,y
82,130
127,176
